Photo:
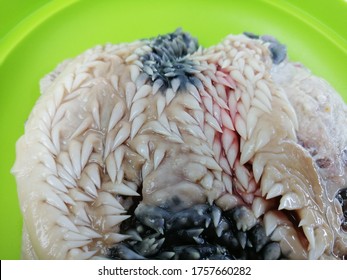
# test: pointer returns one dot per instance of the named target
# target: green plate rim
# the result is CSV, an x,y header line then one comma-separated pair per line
x,y
24,27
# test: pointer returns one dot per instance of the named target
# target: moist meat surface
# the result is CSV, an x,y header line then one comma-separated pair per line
x,y
163,149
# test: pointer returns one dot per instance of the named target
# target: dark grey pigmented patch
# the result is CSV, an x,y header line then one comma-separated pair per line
x,y
272,251
200,232
168,60
341,197
278,50
251,35
344,156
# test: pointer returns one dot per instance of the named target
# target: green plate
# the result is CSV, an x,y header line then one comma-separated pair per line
x,y
35,35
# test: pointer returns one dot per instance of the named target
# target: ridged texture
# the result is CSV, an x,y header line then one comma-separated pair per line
x,y
165,124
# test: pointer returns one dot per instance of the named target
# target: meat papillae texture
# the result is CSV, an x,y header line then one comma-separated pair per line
x,y
232,148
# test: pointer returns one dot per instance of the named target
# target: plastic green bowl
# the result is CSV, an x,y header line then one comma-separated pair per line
x,y
35,35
